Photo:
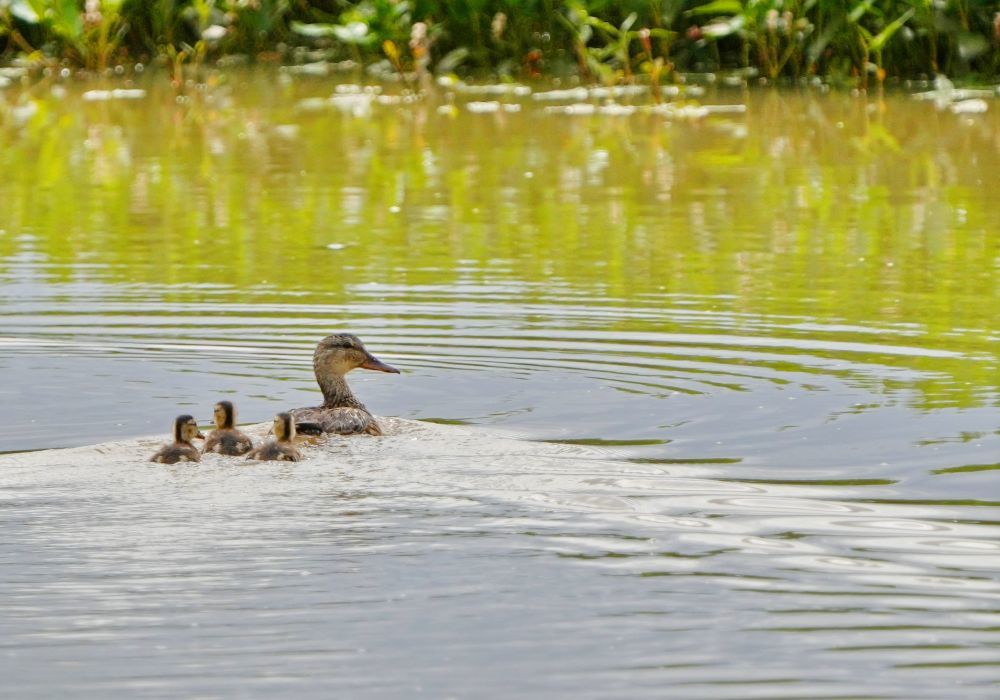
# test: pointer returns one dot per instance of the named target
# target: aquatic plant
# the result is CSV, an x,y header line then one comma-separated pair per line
x,y
624,41
775,31
611,60
89,34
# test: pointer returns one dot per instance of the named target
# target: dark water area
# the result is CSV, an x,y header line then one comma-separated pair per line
x,y
749,344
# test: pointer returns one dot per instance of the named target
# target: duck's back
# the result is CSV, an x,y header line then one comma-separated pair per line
x,y
275,451
228,441
340,421
176,452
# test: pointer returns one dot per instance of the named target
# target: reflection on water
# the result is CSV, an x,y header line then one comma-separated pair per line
x,y
755,352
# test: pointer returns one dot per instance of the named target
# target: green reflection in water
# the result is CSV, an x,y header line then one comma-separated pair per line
x,y
968,468
873,220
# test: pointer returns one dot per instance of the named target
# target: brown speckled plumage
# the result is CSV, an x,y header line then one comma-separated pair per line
x,y
341,412
226,439
281,448
181,449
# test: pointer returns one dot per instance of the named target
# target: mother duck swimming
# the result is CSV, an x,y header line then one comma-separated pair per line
x,y
341,412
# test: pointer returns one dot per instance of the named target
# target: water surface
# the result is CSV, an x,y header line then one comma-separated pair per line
x,y
765,344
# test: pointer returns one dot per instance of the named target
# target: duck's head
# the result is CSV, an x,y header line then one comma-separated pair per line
x,y
284,427
186,429
225,415
342,352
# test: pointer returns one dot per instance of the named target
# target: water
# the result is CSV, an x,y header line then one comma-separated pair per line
x,y
749,361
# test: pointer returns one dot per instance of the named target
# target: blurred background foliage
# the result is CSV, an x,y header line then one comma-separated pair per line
x,y
853,42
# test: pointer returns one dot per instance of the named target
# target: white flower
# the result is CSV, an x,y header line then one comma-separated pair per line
x,y
214,32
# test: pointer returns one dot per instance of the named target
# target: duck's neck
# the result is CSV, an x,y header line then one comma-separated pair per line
x,y
336,393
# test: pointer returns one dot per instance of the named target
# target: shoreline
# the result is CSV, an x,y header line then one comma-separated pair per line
x,y
857,46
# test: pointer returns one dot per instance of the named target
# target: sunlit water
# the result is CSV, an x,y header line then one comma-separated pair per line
x,y
769,338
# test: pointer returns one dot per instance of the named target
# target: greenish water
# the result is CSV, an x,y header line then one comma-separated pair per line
x,y
802,294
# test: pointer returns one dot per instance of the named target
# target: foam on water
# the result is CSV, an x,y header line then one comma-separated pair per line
x,y
438,559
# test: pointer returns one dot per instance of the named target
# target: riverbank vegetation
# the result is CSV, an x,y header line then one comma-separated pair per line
x,y
851,42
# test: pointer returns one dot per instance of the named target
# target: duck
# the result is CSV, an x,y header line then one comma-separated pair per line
x,y
181,449
341,413
226,439
281,448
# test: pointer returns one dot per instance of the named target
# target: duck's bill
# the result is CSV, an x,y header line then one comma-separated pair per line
x,y
376,364
200,435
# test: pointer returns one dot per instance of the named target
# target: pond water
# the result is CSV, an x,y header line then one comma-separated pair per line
x,y
775,325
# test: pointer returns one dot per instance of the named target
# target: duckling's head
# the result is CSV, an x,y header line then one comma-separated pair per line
x,y
186,429
225,415
284,427
342,352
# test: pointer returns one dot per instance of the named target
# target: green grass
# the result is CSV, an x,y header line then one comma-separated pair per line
x,y
851,42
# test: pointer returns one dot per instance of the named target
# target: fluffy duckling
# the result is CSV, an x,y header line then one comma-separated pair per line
x,y
341,412
181,449
226,439
281,448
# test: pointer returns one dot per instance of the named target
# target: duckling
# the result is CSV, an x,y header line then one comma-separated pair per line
x,y
181,449
226,439
341,412
281,448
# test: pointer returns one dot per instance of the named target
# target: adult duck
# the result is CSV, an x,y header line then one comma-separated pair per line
x,y
341,412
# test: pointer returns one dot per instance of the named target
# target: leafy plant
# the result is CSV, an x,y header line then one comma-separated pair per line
x,y
777,31
607,40
612,60
871,43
